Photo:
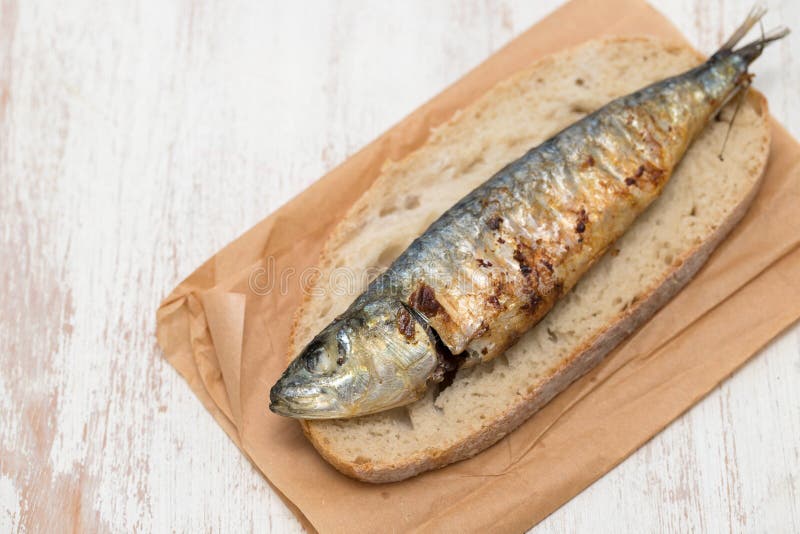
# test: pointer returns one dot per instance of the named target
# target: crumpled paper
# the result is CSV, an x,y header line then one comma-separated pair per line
x,y
228,339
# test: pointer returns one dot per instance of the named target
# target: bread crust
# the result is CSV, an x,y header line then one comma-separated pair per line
x,y
579,362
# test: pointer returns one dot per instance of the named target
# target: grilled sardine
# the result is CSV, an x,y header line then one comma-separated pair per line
x,y
495,263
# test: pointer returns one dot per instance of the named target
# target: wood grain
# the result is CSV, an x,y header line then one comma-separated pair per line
x,y
136,139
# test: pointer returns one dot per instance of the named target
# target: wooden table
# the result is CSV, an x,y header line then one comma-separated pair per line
x,y
137,138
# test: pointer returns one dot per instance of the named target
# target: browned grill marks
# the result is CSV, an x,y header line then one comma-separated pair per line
x,y
580,226
405,323
558,289
494,222
655,174
424,300
533,303
519,257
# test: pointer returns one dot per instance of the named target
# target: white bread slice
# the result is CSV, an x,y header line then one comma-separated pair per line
x,y
646,267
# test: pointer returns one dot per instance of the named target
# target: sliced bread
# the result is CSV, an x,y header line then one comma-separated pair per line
x,y
647,266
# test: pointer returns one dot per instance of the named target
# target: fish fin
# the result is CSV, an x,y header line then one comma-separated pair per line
x,y
751,50
742,93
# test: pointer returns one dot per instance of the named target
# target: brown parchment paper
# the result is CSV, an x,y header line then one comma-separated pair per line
x,y
229,342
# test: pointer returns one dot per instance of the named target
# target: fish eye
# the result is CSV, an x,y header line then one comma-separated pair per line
x,y
317,361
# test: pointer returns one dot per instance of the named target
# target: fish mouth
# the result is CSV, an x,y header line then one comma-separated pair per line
x,y
302,402
278,403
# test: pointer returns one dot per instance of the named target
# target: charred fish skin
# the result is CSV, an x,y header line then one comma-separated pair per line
x,y
496,262
526,236
493,265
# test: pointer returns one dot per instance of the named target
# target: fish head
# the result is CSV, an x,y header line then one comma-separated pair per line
x,y
370,359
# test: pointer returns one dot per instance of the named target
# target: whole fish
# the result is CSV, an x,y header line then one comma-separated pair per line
x,y
495,263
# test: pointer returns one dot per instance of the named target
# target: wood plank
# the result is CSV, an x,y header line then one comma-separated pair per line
x,y
136,139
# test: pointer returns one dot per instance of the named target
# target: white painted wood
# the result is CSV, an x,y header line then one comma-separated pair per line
x,y
121,122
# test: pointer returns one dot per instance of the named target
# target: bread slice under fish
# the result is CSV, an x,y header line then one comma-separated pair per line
x,y
658,255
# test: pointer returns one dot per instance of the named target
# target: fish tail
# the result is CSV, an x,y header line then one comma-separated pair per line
x,y
751,50
755,15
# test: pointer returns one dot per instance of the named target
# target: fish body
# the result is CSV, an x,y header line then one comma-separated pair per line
x,y
494,264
